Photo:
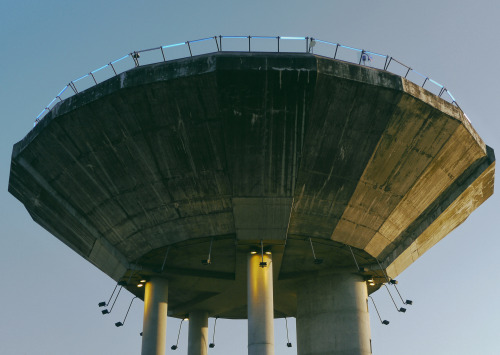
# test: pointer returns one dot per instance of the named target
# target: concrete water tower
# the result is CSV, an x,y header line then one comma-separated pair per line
x,y
253,186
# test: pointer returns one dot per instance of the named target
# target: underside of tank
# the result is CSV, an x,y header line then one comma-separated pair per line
x,y
180,169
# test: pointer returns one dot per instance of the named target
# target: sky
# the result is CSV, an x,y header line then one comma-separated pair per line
x,y
49,296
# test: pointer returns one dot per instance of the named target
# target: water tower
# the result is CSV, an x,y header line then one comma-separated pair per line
x,y
253,186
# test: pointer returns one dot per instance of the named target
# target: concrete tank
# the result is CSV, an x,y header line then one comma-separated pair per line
x,y
175,172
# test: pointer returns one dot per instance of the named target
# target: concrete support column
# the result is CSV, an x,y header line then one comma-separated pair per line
x,y
332,316
154,328
260,306
198,333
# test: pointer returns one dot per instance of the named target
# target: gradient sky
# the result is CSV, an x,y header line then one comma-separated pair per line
x,y
49,295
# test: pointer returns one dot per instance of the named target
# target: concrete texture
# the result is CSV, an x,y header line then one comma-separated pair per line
x,y
260,305
145,169
198,333
332,316
154,329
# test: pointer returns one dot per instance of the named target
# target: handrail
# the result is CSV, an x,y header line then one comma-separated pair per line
x,y
363,57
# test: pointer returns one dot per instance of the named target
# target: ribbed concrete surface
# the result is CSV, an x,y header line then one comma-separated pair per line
x,y
241,147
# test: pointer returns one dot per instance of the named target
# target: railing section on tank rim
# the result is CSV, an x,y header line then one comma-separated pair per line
x,y
248,44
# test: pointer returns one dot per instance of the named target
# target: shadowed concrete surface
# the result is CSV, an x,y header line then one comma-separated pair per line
x,y
143,172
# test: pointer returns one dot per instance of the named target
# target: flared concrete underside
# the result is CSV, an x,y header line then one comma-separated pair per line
x,y
239,147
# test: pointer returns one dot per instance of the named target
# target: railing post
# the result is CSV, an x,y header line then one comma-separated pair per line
x,y
216,43
95,81
112,67
73,87
387,61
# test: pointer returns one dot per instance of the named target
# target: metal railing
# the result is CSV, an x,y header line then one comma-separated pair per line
x,y
248,44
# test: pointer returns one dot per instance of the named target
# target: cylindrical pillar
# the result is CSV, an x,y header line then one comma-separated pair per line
x,y
198,333
154,328
260,305
332,316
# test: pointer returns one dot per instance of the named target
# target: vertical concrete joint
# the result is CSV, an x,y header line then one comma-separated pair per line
x,y
154,329
260,305
198,333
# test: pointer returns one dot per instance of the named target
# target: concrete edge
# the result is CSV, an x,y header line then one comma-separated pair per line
x,y
476,187
442,105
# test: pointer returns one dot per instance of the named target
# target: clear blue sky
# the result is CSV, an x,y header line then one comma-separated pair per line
x,y
49,295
